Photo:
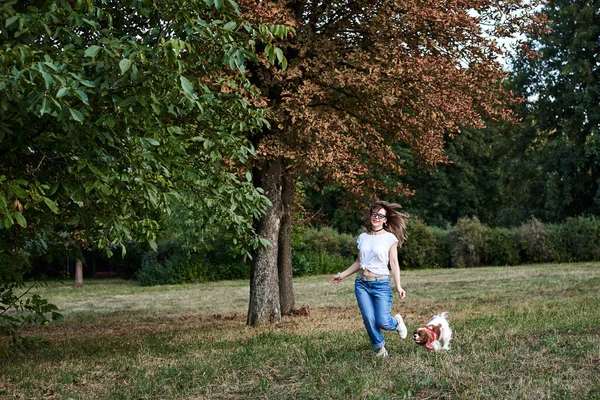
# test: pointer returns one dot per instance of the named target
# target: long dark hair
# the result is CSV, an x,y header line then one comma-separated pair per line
x,y
395,222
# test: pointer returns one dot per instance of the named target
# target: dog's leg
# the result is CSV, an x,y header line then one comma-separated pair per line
x,y
447,339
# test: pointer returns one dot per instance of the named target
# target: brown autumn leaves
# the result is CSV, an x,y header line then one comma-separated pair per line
x,y
365,75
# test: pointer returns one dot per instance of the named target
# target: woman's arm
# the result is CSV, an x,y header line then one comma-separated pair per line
x,y
337,278
395,266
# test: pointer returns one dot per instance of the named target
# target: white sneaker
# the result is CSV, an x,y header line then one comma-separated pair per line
x,y
382,352
402,331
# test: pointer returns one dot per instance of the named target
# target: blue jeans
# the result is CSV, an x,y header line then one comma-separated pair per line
x,y
375,303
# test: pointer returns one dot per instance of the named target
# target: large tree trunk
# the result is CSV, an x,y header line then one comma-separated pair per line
x,y
286,289
78,273
264,283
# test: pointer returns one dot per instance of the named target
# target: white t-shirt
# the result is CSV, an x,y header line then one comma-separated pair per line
x,y
374,252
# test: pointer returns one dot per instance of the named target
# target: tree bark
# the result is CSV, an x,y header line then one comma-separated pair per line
x,y
78,273
264,283
286,288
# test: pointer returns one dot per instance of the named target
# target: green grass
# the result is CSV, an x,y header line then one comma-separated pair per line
x,y
527,332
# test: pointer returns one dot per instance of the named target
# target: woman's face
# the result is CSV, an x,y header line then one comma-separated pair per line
x,y
378,217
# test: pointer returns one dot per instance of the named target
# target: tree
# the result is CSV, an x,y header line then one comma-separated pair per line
x,y
557,151
111,112
468,186
362,76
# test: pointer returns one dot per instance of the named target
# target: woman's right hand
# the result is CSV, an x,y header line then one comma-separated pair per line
x,y
337,278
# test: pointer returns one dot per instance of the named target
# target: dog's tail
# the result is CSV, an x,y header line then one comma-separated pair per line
x,y
443,315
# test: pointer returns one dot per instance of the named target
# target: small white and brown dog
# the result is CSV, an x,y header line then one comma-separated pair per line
x,y
436,335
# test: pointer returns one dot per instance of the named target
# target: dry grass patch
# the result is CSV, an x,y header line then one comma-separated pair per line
x,y
520,332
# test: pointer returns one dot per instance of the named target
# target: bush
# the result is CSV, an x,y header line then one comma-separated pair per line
x,y
420,247
441,256
556,244
170,265
502,247
322,251
532,241
173,264
301,264
314,263
328,240
583,238
234,269
467,243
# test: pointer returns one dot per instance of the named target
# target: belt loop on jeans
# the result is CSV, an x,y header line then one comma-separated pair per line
x,y
372,278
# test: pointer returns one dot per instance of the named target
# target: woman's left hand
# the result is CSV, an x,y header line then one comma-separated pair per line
x,y
401,292
337,278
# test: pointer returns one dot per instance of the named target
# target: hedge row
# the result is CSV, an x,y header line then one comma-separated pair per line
x,y
470,244
325,251
467,244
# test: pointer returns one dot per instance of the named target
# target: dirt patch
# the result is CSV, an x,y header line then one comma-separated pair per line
x,y
224,317
131,326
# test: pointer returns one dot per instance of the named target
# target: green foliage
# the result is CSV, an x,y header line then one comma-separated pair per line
x,y
100,111
19,309
112,113
346,221
325,251
128,265
327,239
315,263
501,247
468,186
206,226
329,205
467,243
298,233
557,243
554,162
441,256
173,264
322,251
170,265
421,247
583,238
532,239
576,239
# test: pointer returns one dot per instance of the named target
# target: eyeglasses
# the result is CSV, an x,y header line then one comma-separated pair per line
x,y
377,215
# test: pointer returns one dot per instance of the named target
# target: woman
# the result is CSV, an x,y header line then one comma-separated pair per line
x,y
376,248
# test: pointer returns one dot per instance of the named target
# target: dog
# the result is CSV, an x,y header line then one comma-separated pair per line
x,y
436,335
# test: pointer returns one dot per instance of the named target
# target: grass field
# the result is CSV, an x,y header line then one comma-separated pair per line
x,y
527,332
